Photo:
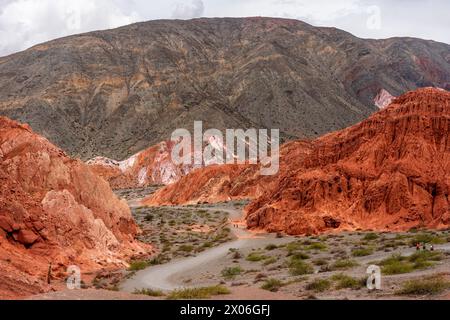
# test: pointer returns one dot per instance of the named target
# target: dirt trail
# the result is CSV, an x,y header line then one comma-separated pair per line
x,y
164,277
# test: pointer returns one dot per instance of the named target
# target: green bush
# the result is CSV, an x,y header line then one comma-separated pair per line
x,y
272,285
198,293
319,285
317,246
270,261
427,238
138,265
255,257
361,252
293,246
345,281
344,264
299,267
428,286
231,272
271,247
370,236
397,264
149,292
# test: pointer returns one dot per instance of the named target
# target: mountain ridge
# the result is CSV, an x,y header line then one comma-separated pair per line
x,y
116,92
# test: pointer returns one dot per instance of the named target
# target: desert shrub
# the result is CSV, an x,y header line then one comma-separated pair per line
x,y
361,252
317,246
198,293
149,292
255,257
186,248
231,272
345,281
207,244
272,285
428,286
160,259
319,285
427,238
344,264
293,246
138,265
370,236
299,267
397,264
271,247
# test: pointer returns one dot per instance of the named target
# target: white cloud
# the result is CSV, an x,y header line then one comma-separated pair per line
x,y
188,11
24,23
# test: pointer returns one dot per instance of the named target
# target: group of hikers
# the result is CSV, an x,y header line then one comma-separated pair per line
x,y
423,246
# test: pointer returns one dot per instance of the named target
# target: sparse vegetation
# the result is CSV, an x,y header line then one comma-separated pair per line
x,y
149,292
397,264
317,246
198,293
272,285
361,252
271,247
255,257
344,264
138,265
298,267
428,286
231,272
319,285
427,238
344,281
178,232
370,236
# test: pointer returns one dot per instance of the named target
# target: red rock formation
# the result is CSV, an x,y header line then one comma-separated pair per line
x,y
389,172
219,183
215,183
54,210
151,166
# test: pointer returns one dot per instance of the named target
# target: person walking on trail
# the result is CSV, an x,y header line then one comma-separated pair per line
x,y
424,246
417,246
431,248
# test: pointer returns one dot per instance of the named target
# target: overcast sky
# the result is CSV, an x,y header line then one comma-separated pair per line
x,y
24,23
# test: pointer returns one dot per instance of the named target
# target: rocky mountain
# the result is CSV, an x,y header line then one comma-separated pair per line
x,y
114,93
389,172
55,212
